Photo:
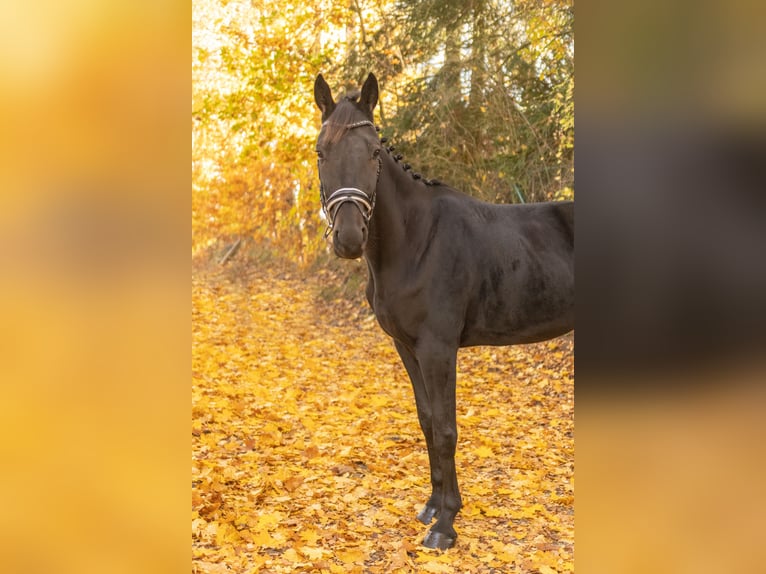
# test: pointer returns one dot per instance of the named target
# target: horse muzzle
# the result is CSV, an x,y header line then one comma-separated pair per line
x,y
349,234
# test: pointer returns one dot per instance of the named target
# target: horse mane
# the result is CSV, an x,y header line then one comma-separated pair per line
x,y
346,113
342,116
397,157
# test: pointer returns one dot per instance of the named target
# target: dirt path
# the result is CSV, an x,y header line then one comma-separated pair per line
x,y
307,455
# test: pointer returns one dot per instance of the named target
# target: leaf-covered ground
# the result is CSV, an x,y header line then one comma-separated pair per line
x,y
307,455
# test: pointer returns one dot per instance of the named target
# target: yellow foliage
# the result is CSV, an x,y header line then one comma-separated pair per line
x,y
307,454
483,452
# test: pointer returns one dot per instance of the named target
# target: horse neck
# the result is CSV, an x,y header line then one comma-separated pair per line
x,y
398,196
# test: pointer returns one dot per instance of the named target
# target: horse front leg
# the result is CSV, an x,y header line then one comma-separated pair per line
x,y
425,417
437,365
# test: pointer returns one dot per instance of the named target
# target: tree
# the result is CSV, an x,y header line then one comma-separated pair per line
x,y
484,93
478,94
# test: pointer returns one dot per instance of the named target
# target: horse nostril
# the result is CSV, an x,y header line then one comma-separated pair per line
x,y
364,234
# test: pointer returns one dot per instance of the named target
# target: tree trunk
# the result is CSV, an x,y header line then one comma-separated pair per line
x,y
450,73
478,54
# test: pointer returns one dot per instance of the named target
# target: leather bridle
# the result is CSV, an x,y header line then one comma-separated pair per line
x,y
365,203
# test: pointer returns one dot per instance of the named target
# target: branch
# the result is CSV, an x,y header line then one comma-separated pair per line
x,y
358,10
230,253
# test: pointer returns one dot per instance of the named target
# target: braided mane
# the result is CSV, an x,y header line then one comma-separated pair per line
x,y
405,166
342,120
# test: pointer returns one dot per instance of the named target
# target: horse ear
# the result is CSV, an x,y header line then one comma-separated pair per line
x,y
369,97
323,97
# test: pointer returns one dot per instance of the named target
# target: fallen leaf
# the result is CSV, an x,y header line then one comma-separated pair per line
x,y
483,452
313,553
351,556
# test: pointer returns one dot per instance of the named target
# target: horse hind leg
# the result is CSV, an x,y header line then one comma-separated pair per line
x,y
432,507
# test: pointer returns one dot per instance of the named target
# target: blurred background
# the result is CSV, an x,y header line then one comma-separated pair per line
x,y
671,235
94,286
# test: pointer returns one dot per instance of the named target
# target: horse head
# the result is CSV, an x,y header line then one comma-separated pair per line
x,y
348,157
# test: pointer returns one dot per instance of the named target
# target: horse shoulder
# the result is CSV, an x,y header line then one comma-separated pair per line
x,y
457,220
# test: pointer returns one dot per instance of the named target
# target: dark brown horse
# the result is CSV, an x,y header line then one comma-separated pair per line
x,y
445,271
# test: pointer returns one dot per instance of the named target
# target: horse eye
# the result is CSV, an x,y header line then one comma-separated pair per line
x,y
376,153
320,155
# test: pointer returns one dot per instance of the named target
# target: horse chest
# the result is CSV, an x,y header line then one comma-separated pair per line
x,y
386,318
393,318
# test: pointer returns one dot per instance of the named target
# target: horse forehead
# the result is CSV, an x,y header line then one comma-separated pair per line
x,y
355,139
350,140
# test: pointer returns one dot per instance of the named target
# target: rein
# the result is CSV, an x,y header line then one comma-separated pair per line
x,y
332,203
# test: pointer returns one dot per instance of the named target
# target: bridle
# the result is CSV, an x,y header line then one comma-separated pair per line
x,y
331,204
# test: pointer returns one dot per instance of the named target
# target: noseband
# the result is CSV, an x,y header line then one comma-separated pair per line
x,y
332,203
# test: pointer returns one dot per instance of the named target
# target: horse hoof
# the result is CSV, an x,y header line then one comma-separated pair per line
x,y
438,540
426,515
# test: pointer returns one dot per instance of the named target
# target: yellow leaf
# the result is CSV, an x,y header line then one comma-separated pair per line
x,y
508,493
546,570
505,552
487,558
379,401
291,555
309,536
269,520
263,538
483,452
531,510
351,556
313,553
226,534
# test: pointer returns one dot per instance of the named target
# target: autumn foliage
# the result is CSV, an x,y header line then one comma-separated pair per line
x,y
306,451
307,455
478,95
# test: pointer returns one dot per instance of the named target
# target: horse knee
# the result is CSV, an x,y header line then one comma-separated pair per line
x,y
426,424
445,441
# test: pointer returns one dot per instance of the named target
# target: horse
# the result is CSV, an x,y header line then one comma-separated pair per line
x,y
445,270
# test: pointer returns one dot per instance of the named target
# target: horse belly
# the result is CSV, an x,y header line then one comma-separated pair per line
x,y
520,314
506,331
